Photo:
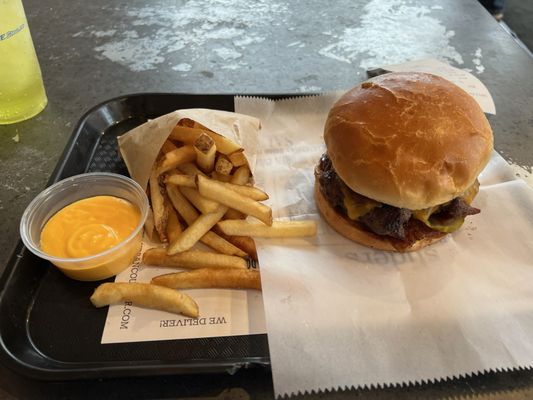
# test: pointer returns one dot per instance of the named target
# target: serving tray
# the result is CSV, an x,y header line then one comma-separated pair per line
x,y
48,327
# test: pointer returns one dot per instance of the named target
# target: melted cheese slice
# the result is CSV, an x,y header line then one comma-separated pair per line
x,y
358,206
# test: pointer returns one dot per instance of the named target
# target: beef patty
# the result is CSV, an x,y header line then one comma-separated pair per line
x,y
383,219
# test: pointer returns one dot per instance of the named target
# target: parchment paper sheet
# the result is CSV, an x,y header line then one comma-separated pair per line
x,y
341,315
223,312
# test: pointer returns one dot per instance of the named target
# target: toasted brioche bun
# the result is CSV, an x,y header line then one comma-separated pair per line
x,y
353,231
410,140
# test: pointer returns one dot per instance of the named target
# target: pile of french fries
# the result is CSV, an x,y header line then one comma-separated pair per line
x,y
201,190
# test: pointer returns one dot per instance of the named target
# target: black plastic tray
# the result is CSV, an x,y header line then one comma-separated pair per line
x,y
49,329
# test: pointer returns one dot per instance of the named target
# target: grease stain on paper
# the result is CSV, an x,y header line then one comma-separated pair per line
x,y
385,27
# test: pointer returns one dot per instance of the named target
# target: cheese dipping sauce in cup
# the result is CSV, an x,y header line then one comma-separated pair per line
x,y
89,226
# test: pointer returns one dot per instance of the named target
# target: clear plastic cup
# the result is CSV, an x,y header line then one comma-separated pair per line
x,y
54,198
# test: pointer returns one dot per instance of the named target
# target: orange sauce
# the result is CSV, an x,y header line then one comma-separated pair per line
x,y
89,226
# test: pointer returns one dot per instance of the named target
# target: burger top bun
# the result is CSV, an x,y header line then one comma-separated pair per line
x,y
411,140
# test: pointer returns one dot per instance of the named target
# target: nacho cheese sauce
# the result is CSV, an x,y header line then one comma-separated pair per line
x,y
89,226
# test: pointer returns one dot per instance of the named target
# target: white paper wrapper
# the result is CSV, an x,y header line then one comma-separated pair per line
x,y
342,315
223,312
140,146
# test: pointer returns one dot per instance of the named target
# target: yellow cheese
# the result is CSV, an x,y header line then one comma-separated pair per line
x,y
357,206
89,226
425,214
471,192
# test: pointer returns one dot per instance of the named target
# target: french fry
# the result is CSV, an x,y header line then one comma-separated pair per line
x,y
224,145
181,204
211,278
176,157
159,207
234,214
205,152
185,134
195,231
168,146
241,176
217,191
245,243
279,229
181,180
190,169
202,203
192,259
219,177
223,166
173,225
146,295
248,191
189,123
222,245
189,214
237,158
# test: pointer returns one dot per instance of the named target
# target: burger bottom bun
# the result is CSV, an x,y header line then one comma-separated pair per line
x,y
352,231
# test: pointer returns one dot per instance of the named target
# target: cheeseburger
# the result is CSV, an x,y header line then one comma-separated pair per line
x,y
403,154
